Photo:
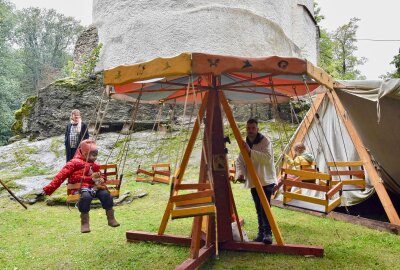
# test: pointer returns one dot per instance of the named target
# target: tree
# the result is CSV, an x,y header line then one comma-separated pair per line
x,y
10,69
344,47
396,73
46,40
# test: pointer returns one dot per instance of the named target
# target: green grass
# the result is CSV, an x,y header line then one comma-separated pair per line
x,y
44,237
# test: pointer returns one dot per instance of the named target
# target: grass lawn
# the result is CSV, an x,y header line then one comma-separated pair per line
x,y
44,237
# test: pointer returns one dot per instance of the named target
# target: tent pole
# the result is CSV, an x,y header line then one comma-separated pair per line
x,y
365,157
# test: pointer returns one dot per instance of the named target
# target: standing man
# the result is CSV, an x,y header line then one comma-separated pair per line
x,y
75,132
261,154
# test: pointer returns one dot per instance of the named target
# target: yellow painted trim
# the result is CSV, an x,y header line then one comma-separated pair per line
x,y
208,199
156,68
307,174
333,204
195,211
345,163
304,198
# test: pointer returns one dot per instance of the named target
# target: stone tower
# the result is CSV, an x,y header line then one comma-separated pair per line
x,y
140,30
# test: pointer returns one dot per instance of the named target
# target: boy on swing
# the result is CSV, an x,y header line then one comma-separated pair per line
x,y
83,169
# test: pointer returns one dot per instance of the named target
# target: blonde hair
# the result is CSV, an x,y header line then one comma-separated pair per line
x,y
75,111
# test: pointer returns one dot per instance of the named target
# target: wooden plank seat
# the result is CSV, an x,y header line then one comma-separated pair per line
x,y
321,182
109,172
350,173
160,172
198,203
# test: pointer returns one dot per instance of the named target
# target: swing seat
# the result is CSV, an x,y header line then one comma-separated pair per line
x,y
314,181
198,203
109,172
162,172
350,173
148,175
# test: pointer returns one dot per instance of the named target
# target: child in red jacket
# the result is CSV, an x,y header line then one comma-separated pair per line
x,y
83,169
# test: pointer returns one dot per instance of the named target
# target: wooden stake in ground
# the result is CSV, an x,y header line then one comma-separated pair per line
x,y
12,194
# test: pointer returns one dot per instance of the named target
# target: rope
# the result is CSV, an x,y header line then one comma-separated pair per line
x,y
320,125
340,127
127,142
298,122
183,118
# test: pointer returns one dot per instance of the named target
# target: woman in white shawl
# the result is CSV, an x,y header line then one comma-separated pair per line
x,y
75,132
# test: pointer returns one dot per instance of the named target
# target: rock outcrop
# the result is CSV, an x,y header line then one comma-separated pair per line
x,y
48,115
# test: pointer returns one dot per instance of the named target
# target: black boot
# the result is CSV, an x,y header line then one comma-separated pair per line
x,y
260,236
267,238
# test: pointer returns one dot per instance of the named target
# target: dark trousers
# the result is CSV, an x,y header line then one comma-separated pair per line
x,y
70,153
86,198
263,224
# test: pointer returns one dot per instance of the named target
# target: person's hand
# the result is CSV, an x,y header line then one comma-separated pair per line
x,y
241,179
96,175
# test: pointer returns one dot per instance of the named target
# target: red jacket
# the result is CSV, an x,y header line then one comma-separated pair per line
x,y
75,170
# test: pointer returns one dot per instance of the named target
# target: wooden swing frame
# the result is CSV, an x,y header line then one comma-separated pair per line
x,y
204,245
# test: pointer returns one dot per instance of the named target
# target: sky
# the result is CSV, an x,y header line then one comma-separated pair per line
x,y
379,21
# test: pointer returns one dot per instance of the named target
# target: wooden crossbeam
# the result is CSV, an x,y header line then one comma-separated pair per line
x,y
345,163
293,183
193,211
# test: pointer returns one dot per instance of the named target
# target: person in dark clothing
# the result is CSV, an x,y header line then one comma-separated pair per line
x,y
261,154
75,132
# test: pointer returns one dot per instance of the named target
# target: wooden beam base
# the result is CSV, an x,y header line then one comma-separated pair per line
x,y
229,245
274,248
204,254
132,236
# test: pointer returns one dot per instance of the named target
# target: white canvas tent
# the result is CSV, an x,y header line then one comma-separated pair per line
x,y
360,120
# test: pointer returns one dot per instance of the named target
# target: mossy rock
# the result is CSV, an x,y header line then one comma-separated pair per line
x,y
21,113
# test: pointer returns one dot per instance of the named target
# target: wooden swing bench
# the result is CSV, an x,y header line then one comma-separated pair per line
x,y
198,203
160,172
350,173
311,180
109,172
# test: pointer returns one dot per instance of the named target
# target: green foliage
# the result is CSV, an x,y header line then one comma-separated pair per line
x,y
337,49
396,73
20,114
46,39
343,51
89,63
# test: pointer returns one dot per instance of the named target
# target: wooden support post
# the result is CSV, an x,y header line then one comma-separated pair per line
x,y
251,170
366,159
196,237
217,161
185,160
